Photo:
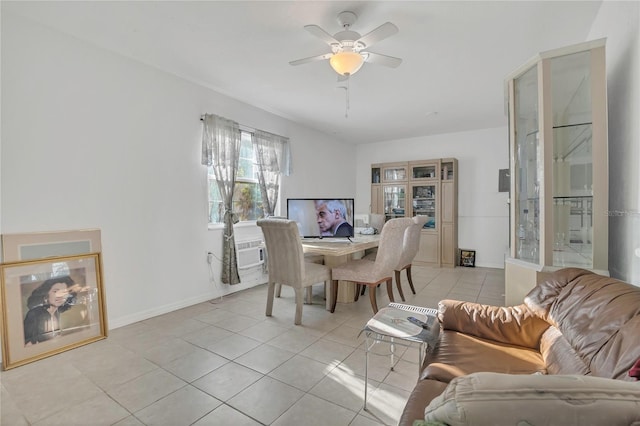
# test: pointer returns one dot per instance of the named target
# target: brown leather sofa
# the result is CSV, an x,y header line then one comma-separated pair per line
x,y
574,322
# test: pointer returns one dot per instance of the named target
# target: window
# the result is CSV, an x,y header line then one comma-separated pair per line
x,y
247,198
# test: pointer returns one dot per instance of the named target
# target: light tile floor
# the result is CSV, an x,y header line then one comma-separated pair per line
x,y
225,363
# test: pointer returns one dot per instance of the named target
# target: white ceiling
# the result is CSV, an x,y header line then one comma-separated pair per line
x,y
455,54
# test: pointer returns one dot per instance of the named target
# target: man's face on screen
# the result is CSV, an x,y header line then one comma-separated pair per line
x,y
325,218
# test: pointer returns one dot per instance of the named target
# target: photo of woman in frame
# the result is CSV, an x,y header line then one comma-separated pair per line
x,y
45,306
49,306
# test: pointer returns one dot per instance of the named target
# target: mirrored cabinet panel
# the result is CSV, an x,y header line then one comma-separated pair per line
x,y
559,170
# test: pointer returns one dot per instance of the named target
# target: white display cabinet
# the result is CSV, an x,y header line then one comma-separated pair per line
x,y
557,105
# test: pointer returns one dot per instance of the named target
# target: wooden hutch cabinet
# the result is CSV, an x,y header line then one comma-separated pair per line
x,y
426,188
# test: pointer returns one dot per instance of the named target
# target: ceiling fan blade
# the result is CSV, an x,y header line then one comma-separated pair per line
x,y
383,31
380,59
321,34
311,59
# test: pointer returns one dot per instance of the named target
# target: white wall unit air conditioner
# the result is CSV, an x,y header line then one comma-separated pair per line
x,y
250,253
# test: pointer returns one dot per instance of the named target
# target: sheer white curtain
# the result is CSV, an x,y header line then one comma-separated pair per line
x,y
274,159
221,151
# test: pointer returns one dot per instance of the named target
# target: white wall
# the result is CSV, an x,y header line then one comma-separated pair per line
x,y
483,211
619,22
91,139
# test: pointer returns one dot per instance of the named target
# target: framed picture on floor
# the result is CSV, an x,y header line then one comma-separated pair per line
x,y
467,258
49,306
38,245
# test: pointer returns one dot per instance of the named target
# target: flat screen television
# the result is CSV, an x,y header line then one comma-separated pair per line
x,y
322,217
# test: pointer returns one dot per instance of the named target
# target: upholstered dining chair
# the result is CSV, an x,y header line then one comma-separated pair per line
x,y
376,221
308,257
286,263
410,247
371,273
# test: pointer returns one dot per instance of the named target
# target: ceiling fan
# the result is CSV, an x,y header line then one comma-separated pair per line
x,y
348,52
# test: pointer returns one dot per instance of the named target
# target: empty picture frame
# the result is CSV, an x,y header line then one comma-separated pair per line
x,y
40,245
50,306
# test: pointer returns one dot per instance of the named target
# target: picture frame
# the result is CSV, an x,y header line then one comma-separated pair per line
x,y
467,258
39,245
50,306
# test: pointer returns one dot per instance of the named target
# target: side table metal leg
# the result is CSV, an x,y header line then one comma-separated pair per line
x,y
366,370
393,351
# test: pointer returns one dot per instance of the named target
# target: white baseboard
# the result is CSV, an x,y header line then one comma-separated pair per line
x,y
248,281
160,310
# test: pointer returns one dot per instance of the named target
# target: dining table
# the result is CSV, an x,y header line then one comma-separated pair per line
x,y
338,251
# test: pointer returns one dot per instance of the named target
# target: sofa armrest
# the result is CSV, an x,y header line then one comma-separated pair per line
x,y
494,398
515,325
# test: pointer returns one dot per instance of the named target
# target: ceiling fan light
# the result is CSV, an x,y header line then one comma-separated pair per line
x,y
346,63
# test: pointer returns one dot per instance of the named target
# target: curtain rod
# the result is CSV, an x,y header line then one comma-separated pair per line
x,y
242,126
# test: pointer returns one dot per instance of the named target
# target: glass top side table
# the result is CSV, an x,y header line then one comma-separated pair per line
x,y
403,325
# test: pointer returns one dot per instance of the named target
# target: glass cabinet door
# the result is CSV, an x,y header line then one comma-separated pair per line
x,y
375,174
528,166
447,170
572,160
394,200
424,203
394,174
424,171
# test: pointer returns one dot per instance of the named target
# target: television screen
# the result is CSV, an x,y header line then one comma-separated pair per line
x,y
322,217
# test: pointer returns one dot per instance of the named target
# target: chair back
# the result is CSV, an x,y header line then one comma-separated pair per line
x,y
420,220
391,243
411,242
376,221
285,257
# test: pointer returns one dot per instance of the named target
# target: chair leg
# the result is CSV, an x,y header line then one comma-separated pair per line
x,y
327,296
364,288
390,289
410,280
357,295
334,295
299,300
278,289
372,297
270,290
398,284
310,295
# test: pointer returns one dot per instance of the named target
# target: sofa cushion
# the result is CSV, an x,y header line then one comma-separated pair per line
x,y
617,355
559,357
599,317
515,325
505,399
458,354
